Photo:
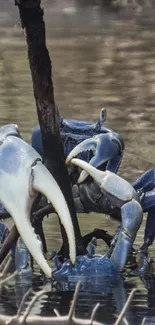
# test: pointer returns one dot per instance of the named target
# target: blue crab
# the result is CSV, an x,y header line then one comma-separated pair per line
x,y
104,150
123,196
26,176
108,146
113,196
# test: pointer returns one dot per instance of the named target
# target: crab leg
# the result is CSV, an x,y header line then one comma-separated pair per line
x,y
146,181
132,214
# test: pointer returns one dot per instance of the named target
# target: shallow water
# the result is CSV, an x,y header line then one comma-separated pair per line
x,y
100,58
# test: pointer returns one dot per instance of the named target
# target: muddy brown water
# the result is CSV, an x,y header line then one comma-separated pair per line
x,y
100,58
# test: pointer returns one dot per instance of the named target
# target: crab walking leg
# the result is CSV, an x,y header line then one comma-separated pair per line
x,y
132,215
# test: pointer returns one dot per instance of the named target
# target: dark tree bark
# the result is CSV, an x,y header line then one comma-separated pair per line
x,y
31,16
8,243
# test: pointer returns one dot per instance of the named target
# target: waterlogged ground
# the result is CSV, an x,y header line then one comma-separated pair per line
x,y
100,58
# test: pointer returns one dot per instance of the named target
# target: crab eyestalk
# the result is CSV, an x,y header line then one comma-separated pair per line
x,y
22,176
102,118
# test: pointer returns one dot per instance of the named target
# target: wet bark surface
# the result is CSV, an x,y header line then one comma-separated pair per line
x,y
31,16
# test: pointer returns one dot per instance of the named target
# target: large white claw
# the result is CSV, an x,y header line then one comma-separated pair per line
x,y
45,183
22,176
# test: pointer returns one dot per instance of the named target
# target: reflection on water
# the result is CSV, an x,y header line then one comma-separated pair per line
x,y
111,301
100,58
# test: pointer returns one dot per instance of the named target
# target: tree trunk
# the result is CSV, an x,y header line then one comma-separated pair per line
x,y
32,21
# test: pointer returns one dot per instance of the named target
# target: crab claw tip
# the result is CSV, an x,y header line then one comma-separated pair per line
x,y
96,174
82,177
67,161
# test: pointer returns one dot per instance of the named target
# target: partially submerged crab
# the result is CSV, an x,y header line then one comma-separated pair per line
x,y
113,188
